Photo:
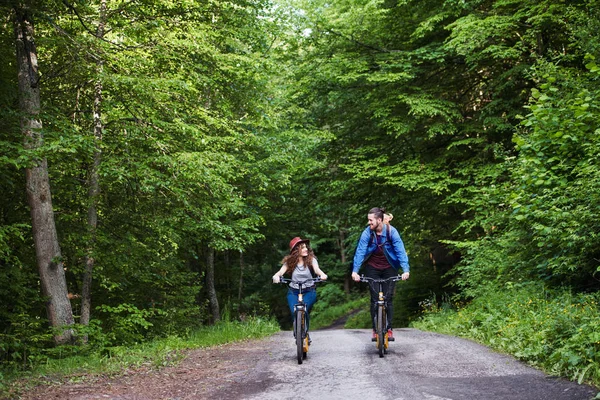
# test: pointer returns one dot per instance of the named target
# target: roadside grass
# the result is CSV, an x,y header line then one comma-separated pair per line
x,y
360,320
554,330
324,315
114,361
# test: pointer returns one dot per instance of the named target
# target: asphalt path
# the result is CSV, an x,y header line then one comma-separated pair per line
x,y
344,364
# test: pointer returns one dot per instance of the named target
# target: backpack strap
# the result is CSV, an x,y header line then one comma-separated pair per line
x,y
388,234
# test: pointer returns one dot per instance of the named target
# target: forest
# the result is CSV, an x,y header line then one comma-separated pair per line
x,y
157,156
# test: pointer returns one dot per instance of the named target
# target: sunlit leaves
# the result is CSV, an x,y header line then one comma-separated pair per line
x,y
557,173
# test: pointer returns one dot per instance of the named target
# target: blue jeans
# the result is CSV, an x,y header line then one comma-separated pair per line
x,y
310,298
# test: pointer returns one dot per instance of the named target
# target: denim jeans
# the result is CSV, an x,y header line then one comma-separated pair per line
x,y
310,298
388,291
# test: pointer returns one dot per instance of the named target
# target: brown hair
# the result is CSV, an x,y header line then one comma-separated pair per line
x,y
292,259
377,211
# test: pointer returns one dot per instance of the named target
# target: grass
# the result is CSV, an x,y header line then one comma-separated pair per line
x,y
324,315
155,354
554,330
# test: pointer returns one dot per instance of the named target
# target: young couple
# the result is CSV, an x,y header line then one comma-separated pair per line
x,y
380,250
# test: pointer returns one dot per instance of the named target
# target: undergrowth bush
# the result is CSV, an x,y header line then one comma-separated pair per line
x,y
332,295
554,330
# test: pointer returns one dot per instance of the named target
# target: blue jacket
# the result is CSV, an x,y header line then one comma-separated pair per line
x,y
393,249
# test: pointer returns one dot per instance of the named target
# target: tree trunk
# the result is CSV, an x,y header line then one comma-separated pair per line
x,y
93,183
47,249
227,267
210,285
347,278
241,285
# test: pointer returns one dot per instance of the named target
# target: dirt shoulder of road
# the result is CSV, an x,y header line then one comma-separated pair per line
x,y
202,373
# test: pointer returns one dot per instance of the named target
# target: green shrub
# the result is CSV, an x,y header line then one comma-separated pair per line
x,y
128,323
331,295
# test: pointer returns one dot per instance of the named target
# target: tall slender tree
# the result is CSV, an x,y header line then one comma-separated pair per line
x,y
47,248
93,178
210,285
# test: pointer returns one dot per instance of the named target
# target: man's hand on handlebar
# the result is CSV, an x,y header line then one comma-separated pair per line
x,y
356,277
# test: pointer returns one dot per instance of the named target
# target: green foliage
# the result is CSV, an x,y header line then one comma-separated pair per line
x,y
127,322
557,176
23,344
361,319
541,223
23,328
331,295
325,314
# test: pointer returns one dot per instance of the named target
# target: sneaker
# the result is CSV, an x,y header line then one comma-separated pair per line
x,y
309,339
374,337
390,335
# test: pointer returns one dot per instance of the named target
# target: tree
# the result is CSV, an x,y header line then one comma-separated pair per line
x,y
210,285
45,237
94,178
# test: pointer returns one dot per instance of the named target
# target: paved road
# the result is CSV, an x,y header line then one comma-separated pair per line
x,y
344,364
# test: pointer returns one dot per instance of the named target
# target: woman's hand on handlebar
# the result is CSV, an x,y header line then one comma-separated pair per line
x,y
276,278
323,277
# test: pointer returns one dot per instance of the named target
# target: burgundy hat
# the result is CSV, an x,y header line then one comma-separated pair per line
x,y
297,240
